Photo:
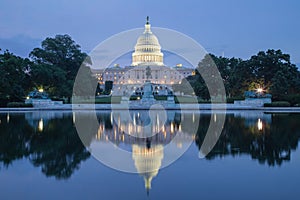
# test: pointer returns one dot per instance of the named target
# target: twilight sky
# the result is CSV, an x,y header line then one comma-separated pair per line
x,y
237,28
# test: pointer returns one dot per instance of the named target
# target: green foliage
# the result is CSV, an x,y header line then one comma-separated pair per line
x,y
99,100
271,70
108,87
108,100
278,104
13,77
99,90
19,105
57,151
285,82
271,146
160,98
293,99
86,84
135,97
56,65
189,99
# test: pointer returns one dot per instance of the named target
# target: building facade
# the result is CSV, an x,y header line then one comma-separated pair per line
x,y
147,64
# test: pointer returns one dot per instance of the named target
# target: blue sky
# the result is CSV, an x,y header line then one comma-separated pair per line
x,y
237,28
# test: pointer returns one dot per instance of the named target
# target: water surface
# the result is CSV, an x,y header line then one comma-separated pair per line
x,y
256,157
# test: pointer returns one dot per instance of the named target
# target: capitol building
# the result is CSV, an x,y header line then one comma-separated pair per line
x,y
147,64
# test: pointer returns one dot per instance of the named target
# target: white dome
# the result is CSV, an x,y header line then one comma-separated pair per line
x,y
147,49
147,39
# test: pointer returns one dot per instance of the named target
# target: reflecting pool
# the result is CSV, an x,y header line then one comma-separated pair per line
x,y
255,157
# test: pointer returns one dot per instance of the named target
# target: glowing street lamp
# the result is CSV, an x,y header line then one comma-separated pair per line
x,y
259,90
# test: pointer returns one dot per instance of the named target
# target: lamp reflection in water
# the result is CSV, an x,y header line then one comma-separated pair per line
x,y
40,125
259,125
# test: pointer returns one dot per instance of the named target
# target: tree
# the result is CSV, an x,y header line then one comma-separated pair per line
x,y
264,65
58,151
285,82
108,87
13,77
280,85
56,64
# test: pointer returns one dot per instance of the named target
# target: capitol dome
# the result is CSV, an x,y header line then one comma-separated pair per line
x,y
147,49
147,161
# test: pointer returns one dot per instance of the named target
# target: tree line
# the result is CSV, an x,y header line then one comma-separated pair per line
x,y
55,64
269,70
51,67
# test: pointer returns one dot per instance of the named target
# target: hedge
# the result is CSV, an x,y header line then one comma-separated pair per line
x,y
19,105
278,104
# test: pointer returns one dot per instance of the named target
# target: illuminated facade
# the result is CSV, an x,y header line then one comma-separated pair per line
x,y
147,49
147,53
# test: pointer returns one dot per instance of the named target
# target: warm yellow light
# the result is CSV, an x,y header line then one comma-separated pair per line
x,y
41,125
179,145
27,97
138,98
172,127
259,90
259,125
41,90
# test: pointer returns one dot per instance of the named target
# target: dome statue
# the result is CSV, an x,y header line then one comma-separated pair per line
x,y
147,49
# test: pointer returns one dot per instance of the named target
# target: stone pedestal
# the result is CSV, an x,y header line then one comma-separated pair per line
x,y
43,102
148,90
256,102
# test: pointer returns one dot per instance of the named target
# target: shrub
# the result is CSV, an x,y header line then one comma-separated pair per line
x,y
135,97
189,99
57,99
4,102
293,99
19,105
107,100
278,104
160,98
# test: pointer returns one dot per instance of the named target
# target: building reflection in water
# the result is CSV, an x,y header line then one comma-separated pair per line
x,y
147,152
147,161
176,130
267,138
